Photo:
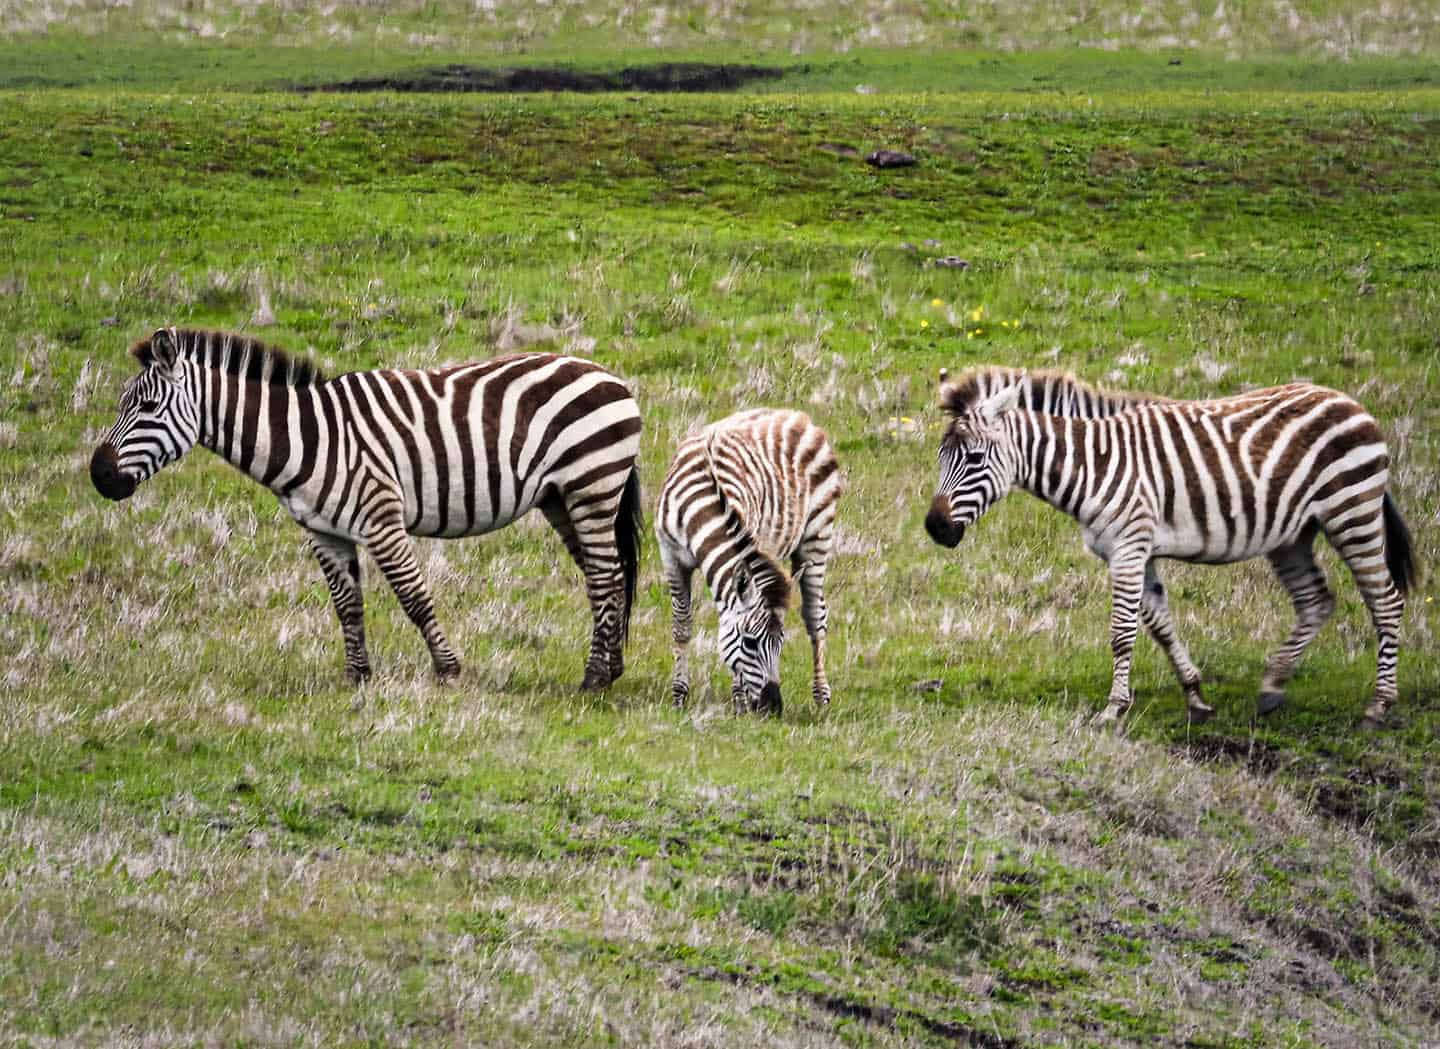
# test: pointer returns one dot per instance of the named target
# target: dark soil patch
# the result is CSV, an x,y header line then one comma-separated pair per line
x,y
848,1007
662,77
1259,757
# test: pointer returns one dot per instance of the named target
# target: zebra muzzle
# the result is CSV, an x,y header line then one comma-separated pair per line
x,y
106,476
939,524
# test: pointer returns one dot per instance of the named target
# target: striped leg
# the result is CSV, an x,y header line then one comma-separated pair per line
x,y
1155,613
811,575
587,527
680,579
393,552
1301,576
340,562
1127,578
1361,542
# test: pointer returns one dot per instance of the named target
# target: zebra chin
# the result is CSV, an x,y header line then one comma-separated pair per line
x,y
940,526
105,474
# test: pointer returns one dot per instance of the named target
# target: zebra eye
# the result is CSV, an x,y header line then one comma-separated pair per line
x,y
750,644
974,457
148,405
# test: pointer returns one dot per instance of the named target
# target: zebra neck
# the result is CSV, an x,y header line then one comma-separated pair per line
x,y
739,550
266,430
1051,451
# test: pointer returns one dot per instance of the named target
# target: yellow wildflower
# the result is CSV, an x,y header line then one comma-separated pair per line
x,y
924,324
937,303
976,313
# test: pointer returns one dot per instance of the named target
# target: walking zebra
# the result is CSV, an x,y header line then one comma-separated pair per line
x,y
1203,481
745,492
371,458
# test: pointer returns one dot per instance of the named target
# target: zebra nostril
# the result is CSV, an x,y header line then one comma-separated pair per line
x,y
105,474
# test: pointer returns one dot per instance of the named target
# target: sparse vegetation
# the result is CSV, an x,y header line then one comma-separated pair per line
x,y
205,837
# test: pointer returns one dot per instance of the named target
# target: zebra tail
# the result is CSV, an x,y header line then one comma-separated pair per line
x,y
629,527
1399,552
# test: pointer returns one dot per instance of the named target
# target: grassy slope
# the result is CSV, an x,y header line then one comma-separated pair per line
x,y
205,835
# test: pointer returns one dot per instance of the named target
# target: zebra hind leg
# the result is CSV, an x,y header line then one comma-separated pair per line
x,y
340,562
1363,546
1296,568
396,557
598,560
1155,613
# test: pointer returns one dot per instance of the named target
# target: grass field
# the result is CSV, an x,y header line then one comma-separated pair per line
x,y
206,838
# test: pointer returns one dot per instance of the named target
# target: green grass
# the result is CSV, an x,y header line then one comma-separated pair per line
x,y
205,836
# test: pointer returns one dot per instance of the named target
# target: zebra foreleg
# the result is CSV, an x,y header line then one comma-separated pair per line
x,y
1301,576
1127,578
1155,612
340,561
811,575
396,557
680,579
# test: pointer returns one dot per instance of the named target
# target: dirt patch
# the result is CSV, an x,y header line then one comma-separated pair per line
x,y
662,77
1257,756
849,1007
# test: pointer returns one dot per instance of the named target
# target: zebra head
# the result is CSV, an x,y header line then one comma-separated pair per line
x,y
159,420
752,629
978,462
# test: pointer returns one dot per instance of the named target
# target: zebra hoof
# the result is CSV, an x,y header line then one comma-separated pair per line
x,y
594,682
1269,702
1371,723
357,676
1199,713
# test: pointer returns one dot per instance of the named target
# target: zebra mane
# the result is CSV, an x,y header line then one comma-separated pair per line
x,y
237,354
1048,392
774,584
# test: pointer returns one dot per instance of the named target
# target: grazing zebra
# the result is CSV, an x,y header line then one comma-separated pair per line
x,y
742,494
1203,481
372,458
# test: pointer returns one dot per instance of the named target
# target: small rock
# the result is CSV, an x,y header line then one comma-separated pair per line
x,y
933,684
905,245
109,322
865,89
890,158
840,149
930,242
952,262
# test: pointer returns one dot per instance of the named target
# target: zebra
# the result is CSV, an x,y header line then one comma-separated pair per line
x,y
741,495
1210,482
371,458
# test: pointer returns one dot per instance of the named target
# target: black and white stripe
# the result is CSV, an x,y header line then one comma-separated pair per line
x,y
741,496
1260,473
372,458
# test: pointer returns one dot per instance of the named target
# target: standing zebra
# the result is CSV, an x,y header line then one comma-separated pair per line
x,y
746,491
371,458
1203,481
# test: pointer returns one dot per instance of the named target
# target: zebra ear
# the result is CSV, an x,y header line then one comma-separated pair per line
x,y
163,350
997,405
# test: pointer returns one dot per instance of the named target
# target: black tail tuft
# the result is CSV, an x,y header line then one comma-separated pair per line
x,y
629,525
1399,553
